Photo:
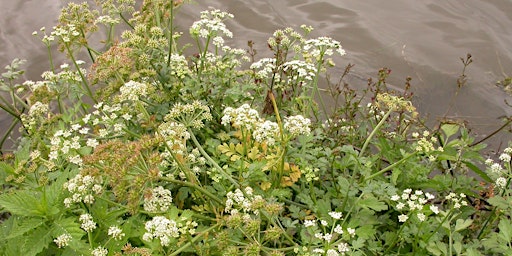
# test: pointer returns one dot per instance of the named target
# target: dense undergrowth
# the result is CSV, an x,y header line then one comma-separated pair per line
x,y
144,150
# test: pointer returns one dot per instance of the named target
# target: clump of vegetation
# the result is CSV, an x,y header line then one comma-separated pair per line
x,y
142,150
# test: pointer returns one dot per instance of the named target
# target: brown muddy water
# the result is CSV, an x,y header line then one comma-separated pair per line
x,y
423,39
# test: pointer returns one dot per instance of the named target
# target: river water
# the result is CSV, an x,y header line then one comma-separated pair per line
x,y
423,39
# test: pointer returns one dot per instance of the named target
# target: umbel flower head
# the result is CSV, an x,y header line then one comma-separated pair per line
x,y
191,115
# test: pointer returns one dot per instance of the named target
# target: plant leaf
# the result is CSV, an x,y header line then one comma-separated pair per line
x,y
24,226
37,241
373,203
22,203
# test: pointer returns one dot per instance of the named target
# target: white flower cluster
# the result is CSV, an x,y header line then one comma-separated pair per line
x,y
132,90
247,203
496,171
159,200
179,66
323,46
334,235
191,115
67,76
112,117
211,24
82,189
266,132
175,136
87,223
414,203
99,251
425,144
107,20
287,39
66,32
264,68
62,240
115,232
247,118
161,228
297,125
243,117
37,112
458,200
298,70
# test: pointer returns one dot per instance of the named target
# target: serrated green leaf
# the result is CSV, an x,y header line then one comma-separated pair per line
x,y
22,203
23,226
37,241
68,226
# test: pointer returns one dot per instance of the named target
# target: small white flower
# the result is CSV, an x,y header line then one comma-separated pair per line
x,y
501,182
402,218
87,223
62,240
395,198
421,216
351,231
309,223
505,157
336,215
323,222
99,251
434,209
115,232
338,229
343,247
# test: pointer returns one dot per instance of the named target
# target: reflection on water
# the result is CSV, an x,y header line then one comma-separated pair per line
x,y
422,39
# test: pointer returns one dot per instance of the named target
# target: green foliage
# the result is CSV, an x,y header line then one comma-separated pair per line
x,y
155,152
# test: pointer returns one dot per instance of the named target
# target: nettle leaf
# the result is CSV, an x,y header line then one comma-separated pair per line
x,y
22,226
22,203
37,241
68,226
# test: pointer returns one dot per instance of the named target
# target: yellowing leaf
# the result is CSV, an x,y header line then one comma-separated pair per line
x,y
265,185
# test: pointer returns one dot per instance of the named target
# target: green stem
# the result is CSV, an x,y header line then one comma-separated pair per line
x,y
9,130
193,240
171,32
438,227
226,175
194,186
367,141
84,80
395,240
389,167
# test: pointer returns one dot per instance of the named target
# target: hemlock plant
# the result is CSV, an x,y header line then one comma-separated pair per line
x,y
145,149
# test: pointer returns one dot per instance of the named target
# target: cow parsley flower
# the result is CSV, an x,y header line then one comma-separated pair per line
x,y
115,232
243,117
87,223
159,200
62,240
266,132
99,251
297,125
161,228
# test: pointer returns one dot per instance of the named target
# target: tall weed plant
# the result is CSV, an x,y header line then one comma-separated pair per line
x,y
143,150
